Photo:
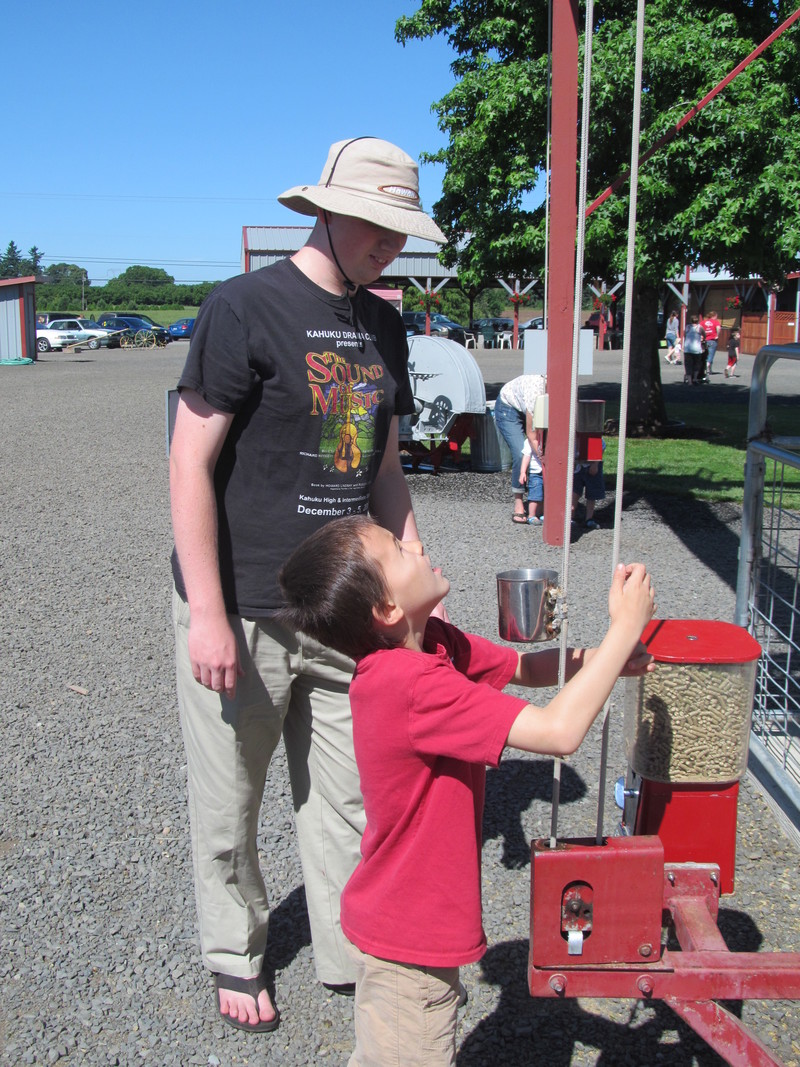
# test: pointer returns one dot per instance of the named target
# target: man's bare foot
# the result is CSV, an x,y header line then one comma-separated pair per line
x,y
245,1003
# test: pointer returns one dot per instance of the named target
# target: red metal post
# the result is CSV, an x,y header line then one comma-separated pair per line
x,y
561,263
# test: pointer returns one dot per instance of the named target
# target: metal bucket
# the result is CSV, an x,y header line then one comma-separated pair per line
x,y
526,601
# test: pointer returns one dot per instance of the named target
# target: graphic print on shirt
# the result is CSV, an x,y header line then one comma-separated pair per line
x,y
346,396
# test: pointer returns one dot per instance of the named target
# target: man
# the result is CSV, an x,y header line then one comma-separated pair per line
x,y
711,325
288,417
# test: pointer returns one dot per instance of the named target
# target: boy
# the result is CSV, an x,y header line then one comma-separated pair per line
x,y
427,718
588,481
733,354
530,472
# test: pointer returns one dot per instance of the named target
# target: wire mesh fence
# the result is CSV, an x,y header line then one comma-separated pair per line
x,y
775,621
768,590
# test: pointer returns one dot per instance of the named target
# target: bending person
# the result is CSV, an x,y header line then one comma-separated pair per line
x,y
513,413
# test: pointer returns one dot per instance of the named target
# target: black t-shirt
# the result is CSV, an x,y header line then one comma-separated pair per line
x,y
313,381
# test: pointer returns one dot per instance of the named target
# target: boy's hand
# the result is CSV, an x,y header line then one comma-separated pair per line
x,y
641,662
631,600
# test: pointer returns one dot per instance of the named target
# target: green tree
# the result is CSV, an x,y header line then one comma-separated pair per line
x,y
59,273
151,276
724,193
65,288
10,262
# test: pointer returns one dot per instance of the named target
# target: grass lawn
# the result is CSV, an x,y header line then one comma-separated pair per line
x,y
705,459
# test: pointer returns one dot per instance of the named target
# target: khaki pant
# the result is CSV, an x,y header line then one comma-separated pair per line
x,y
405,1016
297,687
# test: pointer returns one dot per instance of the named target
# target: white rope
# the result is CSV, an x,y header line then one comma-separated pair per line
x,y
626,352
576,336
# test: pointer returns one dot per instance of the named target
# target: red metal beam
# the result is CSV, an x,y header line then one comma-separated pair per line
x,y
726,1034
685,975
698,107
695,927
561,262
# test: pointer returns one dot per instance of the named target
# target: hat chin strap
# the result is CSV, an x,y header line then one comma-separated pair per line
x,y
349,286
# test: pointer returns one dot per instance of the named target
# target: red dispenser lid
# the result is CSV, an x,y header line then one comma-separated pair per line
x,y
699,641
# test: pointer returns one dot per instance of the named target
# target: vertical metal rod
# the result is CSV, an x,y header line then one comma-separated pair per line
x,y
570,35
626,351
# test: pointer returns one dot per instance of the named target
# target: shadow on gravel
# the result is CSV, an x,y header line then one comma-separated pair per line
x,y
289,931
510,790
523,1030
706,529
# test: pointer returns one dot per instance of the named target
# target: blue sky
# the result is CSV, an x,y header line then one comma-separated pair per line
x,y
152,132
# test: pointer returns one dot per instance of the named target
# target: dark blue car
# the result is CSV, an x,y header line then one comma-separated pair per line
x,y
181,329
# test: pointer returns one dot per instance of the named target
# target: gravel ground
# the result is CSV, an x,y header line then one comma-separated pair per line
x,y
99,961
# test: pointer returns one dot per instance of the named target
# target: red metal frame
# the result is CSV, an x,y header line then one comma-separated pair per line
x,y
696,823
689,980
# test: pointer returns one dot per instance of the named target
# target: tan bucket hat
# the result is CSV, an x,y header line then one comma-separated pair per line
x,y
368,179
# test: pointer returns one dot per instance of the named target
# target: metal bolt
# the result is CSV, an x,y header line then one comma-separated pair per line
x,y
645,950
558,984
671,878
645,985
714,877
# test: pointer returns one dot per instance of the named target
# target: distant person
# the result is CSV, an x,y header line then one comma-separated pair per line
x,y
675,354
530,475
513,414
588,482
733,353
672,331
694,361
711,325
428,718
288,417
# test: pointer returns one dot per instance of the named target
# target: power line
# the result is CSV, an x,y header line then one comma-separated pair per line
x,y
144,197
132,260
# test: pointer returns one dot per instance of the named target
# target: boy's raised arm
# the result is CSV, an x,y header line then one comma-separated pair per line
x,y
559,728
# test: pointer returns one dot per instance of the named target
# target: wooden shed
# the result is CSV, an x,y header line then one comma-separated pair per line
x,y
17,320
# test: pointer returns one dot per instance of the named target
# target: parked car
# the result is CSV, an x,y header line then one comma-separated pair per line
x,y
91,332
182,329
44,318
441,326
593,322
130,315
135,324
47,338
490,328
497,325
536,323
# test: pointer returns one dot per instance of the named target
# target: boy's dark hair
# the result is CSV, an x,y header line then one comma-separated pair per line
x,y
330,586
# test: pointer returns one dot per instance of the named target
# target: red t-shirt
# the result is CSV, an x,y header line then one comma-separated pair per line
x,y
711,328
425,724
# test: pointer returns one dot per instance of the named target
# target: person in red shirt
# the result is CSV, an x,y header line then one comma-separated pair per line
x,y
428,716
711,325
